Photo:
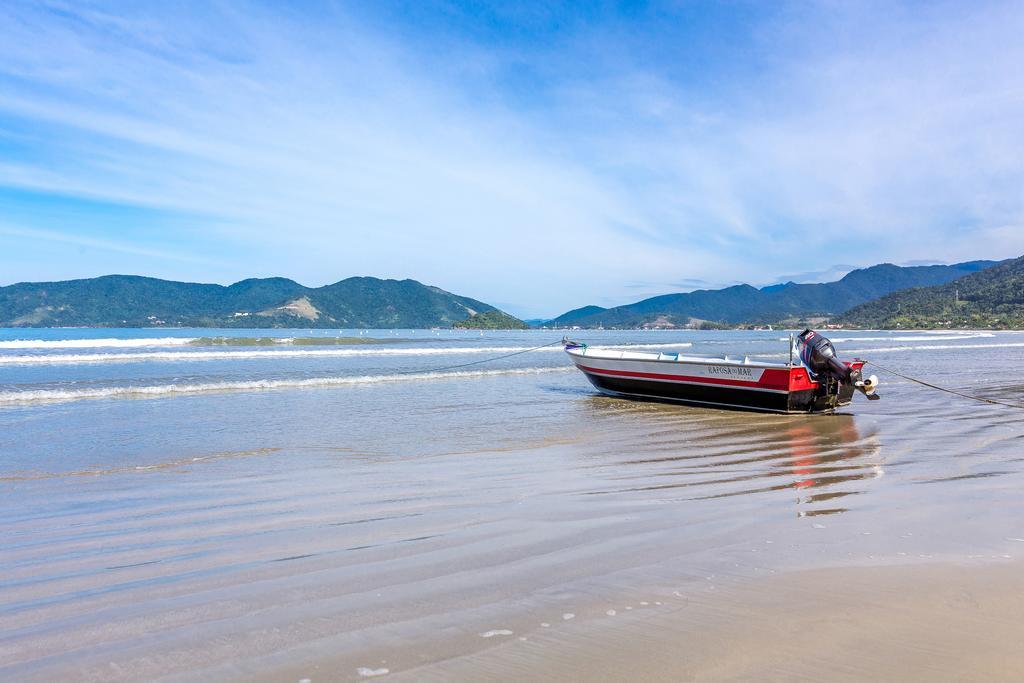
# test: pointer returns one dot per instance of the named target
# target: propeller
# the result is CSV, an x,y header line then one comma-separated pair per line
x,y
868,385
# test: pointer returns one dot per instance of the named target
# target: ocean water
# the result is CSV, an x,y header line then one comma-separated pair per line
x,y
197,504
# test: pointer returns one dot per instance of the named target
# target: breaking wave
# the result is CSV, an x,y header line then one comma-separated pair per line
x,y
76,358
924,336
935,347
849,353
92,343
60,395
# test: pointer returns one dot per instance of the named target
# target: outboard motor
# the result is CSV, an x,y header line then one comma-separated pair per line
x,y
818,354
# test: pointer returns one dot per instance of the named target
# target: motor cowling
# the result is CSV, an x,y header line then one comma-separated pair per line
x,y
818,354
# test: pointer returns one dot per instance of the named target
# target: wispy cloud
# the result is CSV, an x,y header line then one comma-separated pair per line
x,y
102,244
548,158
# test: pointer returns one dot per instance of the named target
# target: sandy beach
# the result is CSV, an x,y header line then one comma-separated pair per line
x,y
501,525
908,623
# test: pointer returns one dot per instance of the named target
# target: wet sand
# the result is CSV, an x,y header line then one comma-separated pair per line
x,y
907,623
420,530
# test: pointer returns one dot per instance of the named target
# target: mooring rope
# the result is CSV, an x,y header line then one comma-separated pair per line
x,y
478,362
948,391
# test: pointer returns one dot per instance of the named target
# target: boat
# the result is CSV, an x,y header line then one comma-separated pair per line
x,y
814,380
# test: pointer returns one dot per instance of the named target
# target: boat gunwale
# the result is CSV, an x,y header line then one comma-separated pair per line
x,y
581,352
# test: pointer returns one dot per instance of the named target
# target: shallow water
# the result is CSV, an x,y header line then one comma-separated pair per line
x,y
323,512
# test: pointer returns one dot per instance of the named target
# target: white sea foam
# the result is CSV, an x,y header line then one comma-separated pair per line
x,y
496,632
849,353
921,337
924,336
92,343
60,395
935,347
182,356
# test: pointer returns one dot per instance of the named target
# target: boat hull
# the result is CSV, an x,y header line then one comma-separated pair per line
x,y
719,397
716,383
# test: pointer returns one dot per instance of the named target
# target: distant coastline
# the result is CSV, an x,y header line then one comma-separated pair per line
x,y
970,295
787,304
129,301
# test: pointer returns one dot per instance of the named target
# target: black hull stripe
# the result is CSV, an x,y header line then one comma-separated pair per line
x,y
706,395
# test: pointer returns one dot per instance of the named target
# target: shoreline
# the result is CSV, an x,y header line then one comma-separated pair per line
x,y
922,622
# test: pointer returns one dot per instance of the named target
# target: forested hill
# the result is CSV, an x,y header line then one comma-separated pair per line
x,y
991,298
744,303
132,301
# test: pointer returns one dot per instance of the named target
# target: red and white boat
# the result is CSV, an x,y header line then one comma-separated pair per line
x,y
813,380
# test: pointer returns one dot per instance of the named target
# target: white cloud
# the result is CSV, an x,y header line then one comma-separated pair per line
x,y
101,244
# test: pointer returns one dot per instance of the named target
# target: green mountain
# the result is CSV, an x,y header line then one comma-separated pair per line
x,y
578,314
747,304
132,301
991,298
491,320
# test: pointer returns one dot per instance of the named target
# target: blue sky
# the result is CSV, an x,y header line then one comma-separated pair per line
x,y
539,156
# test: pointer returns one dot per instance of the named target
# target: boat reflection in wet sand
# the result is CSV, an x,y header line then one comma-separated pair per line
x,y
813,381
